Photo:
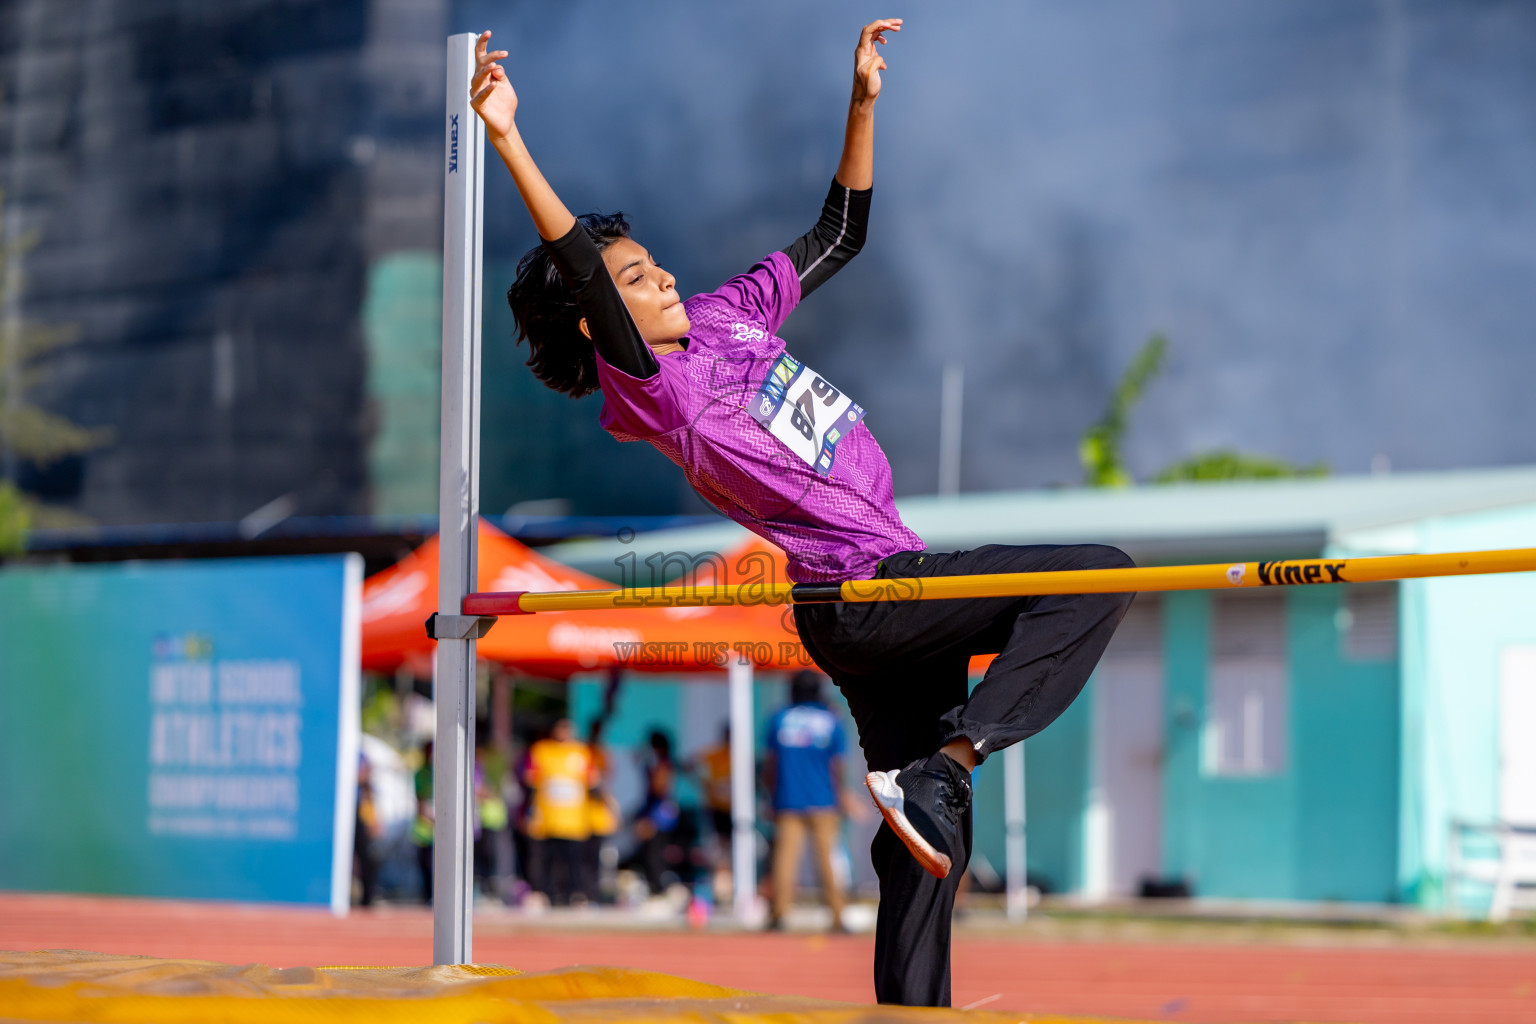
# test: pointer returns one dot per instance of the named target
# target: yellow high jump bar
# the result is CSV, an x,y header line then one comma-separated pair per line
x,y
1019,584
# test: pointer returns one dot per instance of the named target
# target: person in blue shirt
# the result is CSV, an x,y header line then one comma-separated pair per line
x,y
803,768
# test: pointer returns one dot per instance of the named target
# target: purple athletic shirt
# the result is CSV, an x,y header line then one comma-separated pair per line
x,y
694,411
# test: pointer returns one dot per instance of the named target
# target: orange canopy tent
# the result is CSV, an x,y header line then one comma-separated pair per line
x,y
397,601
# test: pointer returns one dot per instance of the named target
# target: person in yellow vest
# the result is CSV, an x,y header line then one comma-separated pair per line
x,y
559,778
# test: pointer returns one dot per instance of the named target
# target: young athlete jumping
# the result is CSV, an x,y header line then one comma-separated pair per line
x,y
780,450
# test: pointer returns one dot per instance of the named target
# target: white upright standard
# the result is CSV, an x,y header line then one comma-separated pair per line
x,y
458,515
1017,884
743,793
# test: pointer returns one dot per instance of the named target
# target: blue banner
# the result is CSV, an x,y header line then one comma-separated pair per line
x,y
181,729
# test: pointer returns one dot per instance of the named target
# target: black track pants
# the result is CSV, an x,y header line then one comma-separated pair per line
x,y
902,666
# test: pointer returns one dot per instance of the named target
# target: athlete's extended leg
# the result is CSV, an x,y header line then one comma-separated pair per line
x,y
912,924
1047,646
898,712
1050,648
903,708
902,668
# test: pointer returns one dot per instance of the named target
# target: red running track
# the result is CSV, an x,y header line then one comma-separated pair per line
x,y
1150,981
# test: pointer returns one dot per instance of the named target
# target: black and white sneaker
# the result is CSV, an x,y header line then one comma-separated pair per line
x,y
925,803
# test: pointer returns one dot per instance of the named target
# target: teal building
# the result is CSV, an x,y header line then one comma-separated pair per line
x,y
1311,743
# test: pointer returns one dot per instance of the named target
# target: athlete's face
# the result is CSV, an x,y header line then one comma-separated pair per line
x,y
648,291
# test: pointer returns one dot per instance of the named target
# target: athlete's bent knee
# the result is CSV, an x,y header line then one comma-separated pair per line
x,y
1103,556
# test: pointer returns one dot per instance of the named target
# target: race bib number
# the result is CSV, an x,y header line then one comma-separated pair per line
x,y
809,416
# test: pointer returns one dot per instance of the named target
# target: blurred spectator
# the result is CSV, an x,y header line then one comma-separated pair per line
x,y
491,812
659,816
522,846
560,777
392,793
805,742
365,831
713,768
421,830
603,818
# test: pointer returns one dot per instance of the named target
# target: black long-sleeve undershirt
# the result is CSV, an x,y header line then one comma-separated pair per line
x,y
835,238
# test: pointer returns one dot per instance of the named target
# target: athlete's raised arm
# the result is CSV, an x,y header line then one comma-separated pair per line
x,y
857,167
838,236
605,319
492,97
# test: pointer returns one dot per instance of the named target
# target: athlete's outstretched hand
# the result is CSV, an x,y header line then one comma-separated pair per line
x,y
490,93
867,62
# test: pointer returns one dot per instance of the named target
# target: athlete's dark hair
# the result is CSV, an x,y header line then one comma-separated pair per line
x,y
546,313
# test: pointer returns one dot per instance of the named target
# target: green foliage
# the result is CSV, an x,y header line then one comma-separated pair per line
x,y
26,430
1225,464
15,520
1099,451
381,708
1100,448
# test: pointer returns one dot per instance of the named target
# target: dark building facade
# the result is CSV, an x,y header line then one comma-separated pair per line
x,y
204,182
